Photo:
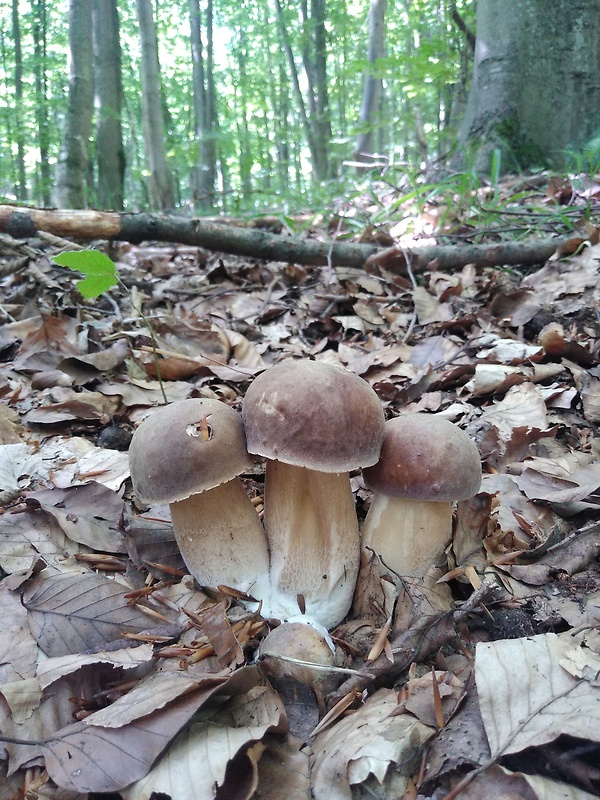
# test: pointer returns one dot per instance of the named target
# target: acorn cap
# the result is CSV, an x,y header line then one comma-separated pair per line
x,y
425,457
186,448
315,415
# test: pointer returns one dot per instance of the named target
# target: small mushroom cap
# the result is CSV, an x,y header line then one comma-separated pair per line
x,y
425,457
315,415
186,448
300,641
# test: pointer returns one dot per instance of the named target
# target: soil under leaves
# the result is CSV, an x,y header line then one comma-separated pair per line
x,y
482,681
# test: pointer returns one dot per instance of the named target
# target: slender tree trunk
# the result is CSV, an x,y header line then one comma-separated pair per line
x,y
72,168
16,28
110,154
245,149
308,132
204,170
212,153
44,176
535,92
323,119
282,130
372,84
160,190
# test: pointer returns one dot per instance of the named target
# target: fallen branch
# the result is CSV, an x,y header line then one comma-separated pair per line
x,y
23,223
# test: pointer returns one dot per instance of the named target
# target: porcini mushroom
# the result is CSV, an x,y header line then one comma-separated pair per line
x,y
298,650
426,464
314,422
188,454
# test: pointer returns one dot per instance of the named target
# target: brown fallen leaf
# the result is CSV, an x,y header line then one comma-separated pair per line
x,y
86,758
88,514
211,758
79,612
368,742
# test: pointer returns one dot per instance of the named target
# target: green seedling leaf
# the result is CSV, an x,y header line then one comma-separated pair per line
x,y
100,272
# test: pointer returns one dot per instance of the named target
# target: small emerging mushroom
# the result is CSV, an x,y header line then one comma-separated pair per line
x,y
298,650
426,464
314,422
188,454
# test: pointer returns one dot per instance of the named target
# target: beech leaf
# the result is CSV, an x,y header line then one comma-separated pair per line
x,y
527,698
75,613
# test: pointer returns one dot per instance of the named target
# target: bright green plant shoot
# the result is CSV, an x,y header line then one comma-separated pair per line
x,y
100,275
100,272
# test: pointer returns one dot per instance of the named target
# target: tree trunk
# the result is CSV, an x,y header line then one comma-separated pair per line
x,y
322,120
535,93
212,153
72,168
22,183
304,119
44,176
160,190
203,174
372,84
110,154
246,155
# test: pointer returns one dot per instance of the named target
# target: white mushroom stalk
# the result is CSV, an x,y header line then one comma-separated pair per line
x,y
314,422
313,532
189,454
426,464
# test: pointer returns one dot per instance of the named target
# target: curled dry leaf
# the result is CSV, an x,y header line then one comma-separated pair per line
x,y
368,742
212,753
90,757
50,670
420,700
18,464
88,514
521,404
527,698
29,534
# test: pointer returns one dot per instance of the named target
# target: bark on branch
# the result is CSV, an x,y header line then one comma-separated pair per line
x,y
23,223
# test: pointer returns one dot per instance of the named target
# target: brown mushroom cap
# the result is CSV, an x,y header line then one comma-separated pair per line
x,y
315,415
425,457
185,448
299,641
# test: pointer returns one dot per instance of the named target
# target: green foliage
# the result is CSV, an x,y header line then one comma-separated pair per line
x,y
262,150
100,272
587,159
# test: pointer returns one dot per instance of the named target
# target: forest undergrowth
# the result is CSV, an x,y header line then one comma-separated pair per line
x,y
119,676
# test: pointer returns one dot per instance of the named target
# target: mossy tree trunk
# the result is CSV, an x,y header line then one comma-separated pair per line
x,y
535,95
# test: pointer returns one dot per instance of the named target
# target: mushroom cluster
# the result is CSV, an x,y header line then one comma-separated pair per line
x,y
314,423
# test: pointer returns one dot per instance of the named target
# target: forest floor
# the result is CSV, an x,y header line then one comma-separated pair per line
x,y
483,685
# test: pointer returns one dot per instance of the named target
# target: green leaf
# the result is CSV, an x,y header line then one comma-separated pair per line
x,y
100,271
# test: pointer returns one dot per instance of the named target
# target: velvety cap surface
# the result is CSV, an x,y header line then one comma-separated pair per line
x,y
186,448
425,457
315,415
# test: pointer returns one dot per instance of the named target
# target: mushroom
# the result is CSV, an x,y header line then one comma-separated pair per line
x,y
188,454
300,651
426,463
314,422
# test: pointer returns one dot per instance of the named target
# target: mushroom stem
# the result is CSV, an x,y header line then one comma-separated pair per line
x,y
408,535
313,537
222,539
